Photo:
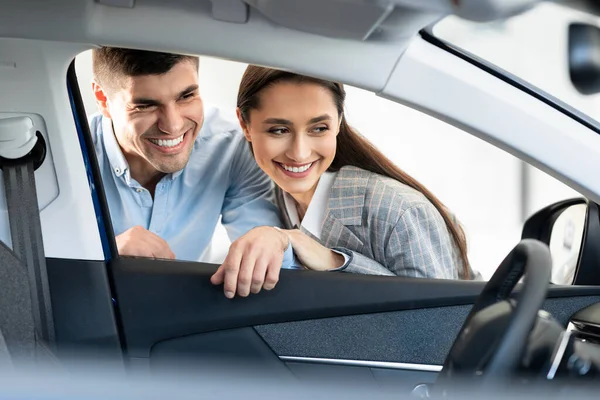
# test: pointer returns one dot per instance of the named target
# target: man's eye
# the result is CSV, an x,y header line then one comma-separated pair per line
x,y
142,107
278,131
188,96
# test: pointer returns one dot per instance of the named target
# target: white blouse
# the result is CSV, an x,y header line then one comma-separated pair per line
x,y
315,214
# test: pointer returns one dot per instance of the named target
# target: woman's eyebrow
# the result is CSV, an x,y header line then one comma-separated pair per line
x,y
280,121
283,121
324,117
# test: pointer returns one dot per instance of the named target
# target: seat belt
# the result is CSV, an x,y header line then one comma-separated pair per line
x,y
30,325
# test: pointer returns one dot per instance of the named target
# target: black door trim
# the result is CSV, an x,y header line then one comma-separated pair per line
x,y
159,299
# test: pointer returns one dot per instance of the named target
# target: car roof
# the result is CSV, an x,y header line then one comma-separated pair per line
x,y
354,41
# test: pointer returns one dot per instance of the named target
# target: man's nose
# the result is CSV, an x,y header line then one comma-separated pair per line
x,y
170,120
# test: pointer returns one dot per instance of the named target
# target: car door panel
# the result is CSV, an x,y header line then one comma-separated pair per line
x,y
419,336
309,314
347,328
84,314
188,303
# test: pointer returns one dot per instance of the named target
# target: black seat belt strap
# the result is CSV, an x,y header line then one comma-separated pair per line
x,y
26,156
26,233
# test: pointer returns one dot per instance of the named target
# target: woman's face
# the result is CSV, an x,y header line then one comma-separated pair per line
x,y
293,134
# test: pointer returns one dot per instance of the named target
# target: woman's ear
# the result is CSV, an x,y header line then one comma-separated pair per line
x,y
243,124
101,99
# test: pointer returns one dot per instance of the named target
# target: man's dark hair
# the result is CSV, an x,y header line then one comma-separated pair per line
x,y
110,64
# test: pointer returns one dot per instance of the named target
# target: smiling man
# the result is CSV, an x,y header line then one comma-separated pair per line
x,y
171,168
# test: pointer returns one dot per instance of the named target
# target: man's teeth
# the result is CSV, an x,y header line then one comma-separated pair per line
x,y
296,169
167,143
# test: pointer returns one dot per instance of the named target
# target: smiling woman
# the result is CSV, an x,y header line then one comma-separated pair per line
x,y
337,191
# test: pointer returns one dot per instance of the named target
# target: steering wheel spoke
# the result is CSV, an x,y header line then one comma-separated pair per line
x,y
491,343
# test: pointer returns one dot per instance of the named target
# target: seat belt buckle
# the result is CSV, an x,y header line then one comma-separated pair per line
x,y
20,142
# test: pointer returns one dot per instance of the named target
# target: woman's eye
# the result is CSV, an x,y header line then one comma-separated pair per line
x,y
320,129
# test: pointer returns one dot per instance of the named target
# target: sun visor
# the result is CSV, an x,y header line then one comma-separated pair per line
x,y
355,20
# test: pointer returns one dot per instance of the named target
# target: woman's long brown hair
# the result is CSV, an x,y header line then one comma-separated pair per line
x,y
352,148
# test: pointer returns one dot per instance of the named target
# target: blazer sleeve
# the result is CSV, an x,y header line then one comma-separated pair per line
x,y
420,245
360,264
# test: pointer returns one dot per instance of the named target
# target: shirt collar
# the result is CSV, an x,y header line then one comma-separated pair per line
x,y
115,156
117,159
315,214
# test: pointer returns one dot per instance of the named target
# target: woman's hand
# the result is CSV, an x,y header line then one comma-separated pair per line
x,y
312,254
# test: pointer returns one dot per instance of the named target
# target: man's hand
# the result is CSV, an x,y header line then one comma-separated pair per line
x,y
253,262
312,254
140,242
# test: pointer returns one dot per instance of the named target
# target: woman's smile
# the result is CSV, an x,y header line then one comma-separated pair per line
x,y
296,170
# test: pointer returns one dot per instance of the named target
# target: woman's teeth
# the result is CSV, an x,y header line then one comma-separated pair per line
x,y
296,169
167,143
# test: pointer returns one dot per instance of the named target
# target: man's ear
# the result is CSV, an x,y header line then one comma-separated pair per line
x,y
101,99
243,125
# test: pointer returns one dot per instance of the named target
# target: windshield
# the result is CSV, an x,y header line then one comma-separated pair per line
x,y
532,46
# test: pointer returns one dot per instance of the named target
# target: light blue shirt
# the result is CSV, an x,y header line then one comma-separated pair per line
x,y
221,179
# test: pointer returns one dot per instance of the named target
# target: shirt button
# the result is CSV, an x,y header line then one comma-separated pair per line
x,y
117,171
139,190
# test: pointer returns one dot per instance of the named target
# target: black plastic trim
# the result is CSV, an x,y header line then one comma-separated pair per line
x,y
539,225
428,35
37,154
588,263
229,347
588,320
190,304
95,180
84,318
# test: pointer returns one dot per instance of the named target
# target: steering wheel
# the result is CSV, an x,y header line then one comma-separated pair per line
x,y
493,338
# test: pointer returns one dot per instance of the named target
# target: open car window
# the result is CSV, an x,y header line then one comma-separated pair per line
x,y
490,192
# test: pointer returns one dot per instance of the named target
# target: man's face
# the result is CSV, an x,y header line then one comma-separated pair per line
x,y
156,118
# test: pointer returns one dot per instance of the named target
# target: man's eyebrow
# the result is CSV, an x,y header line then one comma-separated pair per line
x,y
188,90
151,102
145,102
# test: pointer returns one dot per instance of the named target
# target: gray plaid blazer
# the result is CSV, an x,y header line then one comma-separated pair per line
x,y
386,227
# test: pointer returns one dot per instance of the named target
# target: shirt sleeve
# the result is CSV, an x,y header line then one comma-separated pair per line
x,y
249,201
289,259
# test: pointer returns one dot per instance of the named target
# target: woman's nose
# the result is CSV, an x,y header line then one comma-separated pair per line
x,y
300,149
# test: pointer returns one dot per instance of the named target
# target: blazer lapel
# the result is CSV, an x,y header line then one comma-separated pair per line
x,y
336,234
347,196
345,209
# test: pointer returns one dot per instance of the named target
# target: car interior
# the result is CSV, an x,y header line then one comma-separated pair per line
x,y
67,294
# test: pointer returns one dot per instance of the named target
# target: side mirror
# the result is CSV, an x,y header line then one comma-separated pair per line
x,y
571,228
584,57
